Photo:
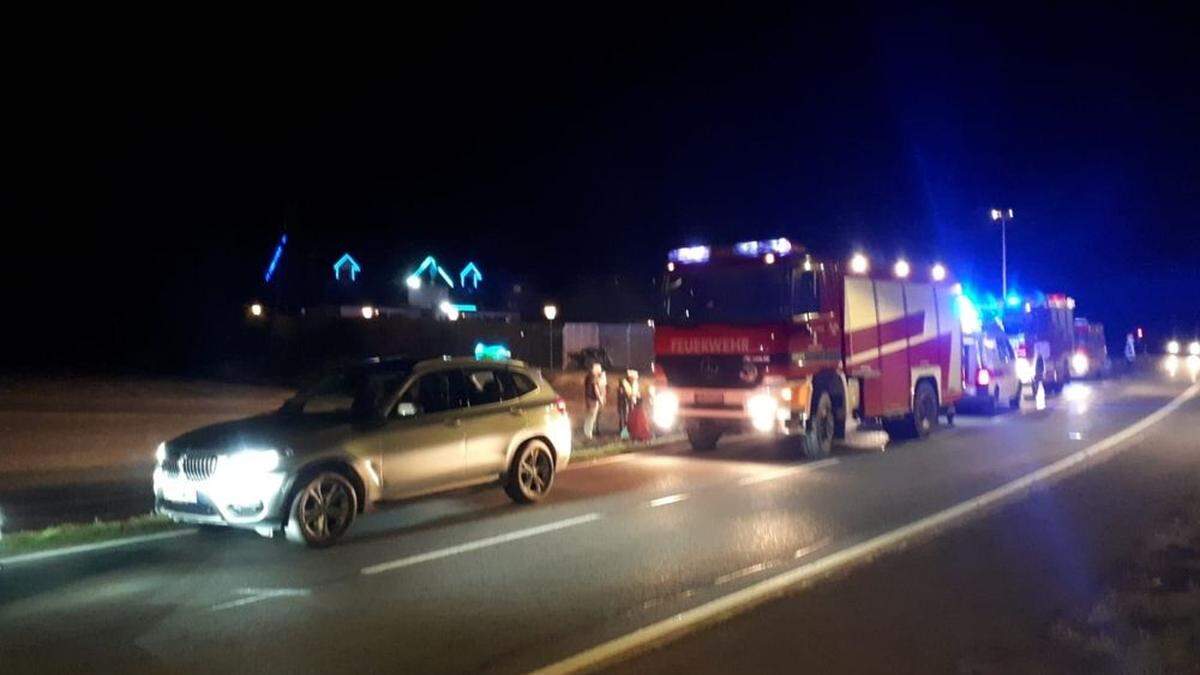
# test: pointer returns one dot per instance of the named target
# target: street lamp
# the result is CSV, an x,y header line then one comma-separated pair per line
x,y
1003,215
551,311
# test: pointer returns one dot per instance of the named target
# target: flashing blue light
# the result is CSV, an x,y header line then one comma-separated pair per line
x,y
780,246
1013,300
275,260
465,308
968,315
471,271
690,254
491,352
348,262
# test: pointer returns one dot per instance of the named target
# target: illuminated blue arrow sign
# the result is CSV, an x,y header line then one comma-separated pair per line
x,y
346,263
470,272
430,265
275,260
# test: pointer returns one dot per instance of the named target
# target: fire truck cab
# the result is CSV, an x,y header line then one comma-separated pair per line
x,y
762,336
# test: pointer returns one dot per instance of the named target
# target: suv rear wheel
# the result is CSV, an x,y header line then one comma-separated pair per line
x,y
532,473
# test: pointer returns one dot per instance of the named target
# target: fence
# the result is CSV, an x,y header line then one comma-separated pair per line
x,y
628,345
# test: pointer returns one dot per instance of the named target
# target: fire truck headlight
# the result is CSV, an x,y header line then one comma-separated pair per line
x,y
1079,364
1173,347
1194,348
666,409
1024,370
762,409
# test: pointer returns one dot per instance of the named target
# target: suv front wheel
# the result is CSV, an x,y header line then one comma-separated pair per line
x,y
321,510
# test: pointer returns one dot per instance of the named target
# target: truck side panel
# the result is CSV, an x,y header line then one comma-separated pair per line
x,y
895,328
950,340
862,341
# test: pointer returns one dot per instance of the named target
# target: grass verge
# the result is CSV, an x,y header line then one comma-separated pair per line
x,y
62,536
590,452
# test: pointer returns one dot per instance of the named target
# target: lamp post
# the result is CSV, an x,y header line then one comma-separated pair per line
x,y
551,311
1003,215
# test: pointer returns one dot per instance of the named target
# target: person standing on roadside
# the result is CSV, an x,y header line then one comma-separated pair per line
x,y
595,388
629,394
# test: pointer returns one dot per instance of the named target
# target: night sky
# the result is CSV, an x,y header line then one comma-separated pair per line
x,y
152,162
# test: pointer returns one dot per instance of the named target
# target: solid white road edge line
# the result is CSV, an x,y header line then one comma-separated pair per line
x,y
761,591
87,548
479,543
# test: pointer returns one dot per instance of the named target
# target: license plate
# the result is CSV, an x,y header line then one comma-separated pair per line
x,y
710,398
179,493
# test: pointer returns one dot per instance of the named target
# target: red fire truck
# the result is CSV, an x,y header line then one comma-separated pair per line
x,y
764,336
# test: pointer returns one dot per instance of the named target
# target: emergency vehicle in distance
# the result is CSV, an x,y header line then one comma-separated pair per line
x,y
1091,344
1042,332
762,335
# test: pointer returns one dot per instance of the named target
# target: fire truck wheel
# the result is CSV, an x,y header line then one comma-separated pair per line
x,y
703,437
925,410
993,402
818,438
1015,401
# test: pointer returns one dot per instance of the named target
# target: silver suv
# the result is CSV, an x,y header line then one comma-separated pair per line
x,y
380,430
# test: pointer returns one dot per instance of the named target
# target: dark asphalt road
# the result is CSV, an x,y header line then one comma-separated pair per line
x,y
988,597
468,582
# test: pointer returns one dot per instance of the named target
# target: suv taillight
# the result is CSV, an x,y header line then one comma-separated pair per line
x,y
983,377
560,405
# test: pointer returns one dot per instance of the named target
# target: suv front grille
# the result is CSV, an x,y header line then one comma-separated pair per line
x,y
198,467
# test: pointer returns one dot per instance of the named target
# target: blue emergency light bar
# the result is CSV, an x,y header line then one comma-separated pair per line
x,y
780,246
690,254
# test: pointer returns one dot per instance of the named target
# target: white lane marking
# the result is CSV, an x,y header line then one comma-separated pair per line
x,y
740,600
479,543
259,594
811,548
669,499
780,473
738,574
88,548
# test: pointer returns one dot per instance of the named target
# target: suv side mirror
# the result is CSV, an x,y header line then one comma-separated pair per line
x,y
405,409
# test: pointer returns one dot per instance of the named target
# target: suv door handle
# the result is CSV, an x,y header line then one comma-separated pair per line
x,y
456,422
516,412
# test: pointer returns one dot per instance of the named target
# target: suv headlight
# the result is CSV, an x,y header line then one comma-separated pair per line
x,y
160,454
249,461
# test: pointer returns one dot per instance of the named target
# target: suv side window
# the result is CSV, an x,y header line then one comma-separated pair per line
x,y
521,384
484,387
514,384
438,392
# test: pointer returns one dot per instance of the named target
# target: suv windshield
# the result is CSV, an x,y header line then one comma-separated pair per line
x,y
741,294
356,391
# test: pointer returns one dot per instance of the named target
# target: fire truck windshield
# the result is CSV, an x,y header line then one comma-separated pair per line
x,y
741,294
